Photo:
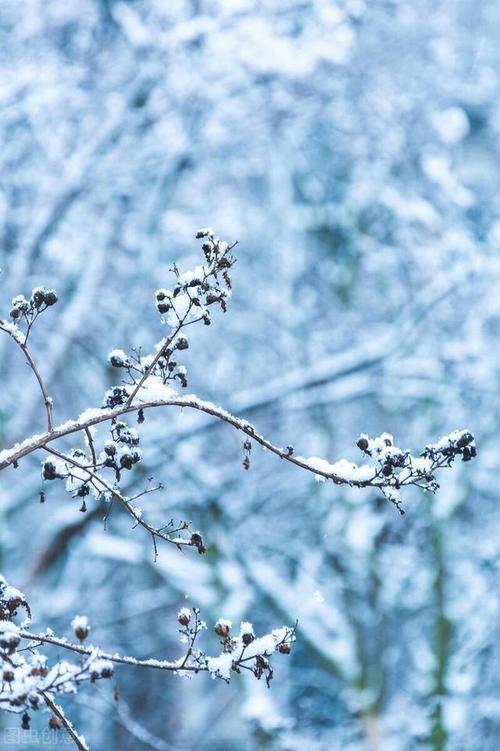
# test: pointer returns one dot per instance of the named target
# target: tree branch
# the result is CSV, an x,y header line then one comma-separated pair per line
x,y
56,709
32,364
178,542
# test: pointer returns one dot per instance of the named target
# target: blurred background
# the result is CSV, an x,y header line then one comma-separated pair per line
x,y
353,149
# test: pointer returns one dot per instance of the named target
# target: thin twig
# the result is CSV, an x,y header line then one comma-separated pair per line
x,y
119,497
56,709
32,364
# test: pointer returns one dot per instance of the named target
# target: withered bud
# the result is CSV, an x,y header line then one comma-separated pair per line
x,y
222,628
55,723
362,444
197,541
81,627
184,617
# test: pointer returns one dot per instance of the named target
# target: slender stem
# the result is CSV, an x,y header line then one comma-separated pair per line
x,y
182,322
119,497
115,658
46,398
24,348
56,709
91,446
152,365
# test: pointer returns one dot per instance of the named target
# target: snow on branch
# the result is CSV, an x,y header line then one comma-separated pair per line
x,y
150,381
30,682
95,467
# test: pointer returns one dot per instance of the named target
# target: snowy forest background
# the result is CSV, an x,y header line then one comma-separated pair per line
x,y
352,149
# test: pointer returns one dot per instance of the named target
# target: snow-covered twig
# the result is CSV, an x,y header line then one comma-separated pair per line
x,y
78,740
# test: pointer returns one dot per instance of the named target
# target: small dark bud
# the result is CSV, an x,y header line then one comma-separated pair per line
x,y
49,297
247,638
140,416
163,307
49,471
222,629
15,313
182,343
37,297
116,361
55,723
81,630
197,541
184,617
26,721
126,460
42,496
284,648
464,440
246,463
362,444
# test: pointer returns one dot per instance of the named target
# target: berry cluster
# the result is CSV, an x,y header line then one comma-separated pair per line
x,y
189,302
395,468
458,443
26,679
40,300
121,451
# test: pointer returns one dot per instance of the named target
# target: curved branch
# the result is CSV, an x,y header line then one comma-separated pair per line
x,y
11,456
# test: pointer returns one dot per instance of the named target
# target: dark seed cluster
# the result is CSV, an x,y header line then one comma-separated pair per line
x,y
28,309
